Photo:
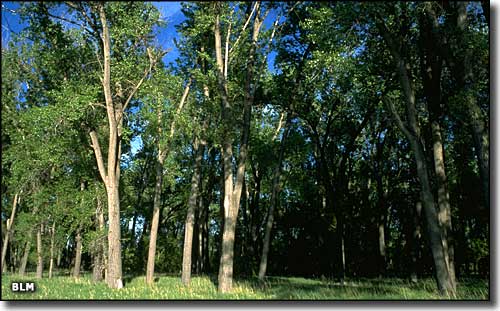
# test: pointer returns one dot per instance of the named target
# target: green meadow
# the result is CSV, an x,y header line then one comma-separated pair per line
x,y
274,288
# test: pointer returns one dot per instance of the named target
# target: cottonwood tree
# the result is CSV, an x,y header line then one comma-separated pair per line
x,y
165,94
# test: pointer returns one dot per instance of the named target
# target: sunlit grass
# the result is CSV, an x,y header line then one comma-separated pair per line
x,y
204,287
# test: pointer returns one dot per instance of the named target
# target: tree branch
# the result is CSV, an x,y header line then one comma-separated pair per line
x,y
152,63
98,155
179,108
395,114
244,26
226,54
280,125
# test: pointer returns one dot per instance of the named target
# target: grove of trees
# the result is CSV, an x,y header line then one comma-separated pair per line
x,y
315,139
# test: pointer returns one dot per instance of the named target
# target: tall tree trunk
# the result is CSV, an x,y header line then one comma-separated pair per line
x,y
381,245
481,145
99,257
39,252
162,154
274,201
205,241
24,259
412,133
59,256
199,228
439,254
431,67
341,241
226,260
461,66
52,238
114,270
198,148
382,222
110,173
232,195
155,221
254,208
78,254
10,223
444,214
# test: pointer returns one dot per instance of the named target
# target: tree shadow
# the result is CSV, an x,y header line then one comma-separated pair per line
x,y
282,288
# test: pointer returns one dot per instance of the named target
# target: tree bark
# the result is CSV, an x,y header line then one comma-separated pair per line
x,y
52,238
274,201
24,259
114,271
10,223
78,255
99,257
39,252
444,214
58,260
198,148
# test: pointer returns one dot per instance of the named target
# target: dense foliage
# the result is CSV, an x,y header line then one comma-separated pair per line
x,y
308,139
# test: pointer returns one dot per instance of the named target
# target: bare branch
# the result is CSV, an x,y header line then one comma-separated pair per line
x,y
280,125
64,19
179,108
255,6
98,105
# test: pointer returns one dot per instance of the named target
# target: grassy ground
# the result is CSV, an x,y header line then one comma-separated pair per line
x,y
169,287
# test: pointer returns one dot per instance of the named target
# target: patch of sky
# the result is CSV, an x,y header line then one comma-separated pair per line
x,y
11,21
171,13
136,144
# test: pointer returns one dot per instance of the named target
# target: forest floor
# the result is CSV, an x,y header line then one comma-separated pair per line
x,y
274,288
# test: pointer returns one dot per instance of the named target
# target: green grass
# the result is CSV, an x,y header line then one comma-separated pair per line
x,y
282,288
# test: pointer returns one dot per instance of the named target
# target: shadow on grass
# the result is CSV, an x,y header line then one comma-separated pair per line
x,y
290,288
